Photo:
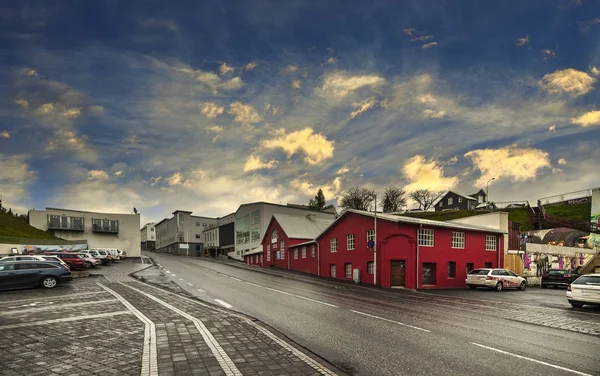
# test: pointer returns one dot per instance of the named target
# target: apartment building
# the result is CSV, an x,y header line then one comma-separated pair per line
x,y
219,238
182,233
148,237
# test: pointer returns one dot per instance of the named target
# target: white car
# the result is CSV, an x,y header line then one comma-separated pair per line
x,y
91,260
584,290
104,259
494,278
49,258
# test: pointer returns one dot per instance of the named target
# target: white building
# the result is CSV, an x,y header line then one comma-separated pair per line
x,y
101,230
251,221
148,236
219,238
182,234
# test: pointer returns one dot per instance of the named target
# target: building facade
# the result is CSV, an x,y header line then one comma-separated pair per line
x,y
219,237
101,230
148,237
411,253
182,233
251,221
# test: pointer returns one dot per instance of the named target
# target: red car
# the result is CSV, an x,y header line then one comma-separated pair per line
x,y
72,259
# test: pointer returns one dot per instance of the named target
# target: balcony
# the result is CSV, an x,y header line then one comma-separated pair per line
x,y
65,223
107,226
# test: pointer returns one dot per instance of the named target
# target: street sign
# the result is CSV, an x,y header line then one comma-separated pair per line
x,y
370,244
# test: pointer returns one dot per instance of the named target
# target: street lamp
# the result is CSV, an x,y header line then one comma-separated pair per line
x,y
487,189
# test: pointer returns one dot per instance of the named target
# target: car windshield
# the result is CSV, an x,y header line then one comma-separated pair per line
x,y
479,272
557,271
588,280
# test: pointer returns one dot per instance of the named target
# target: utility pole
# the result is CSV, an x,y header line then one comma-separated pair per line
x,y
375,246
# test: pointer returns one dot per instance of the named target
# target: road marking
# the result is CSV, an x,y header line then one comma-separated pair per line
x,y
189,284
302,297
53,297
224,304
181,279
253,284
201,291
236,279
55,306
392,321
149,351
219,353
65,319
173,275
531,360
167,271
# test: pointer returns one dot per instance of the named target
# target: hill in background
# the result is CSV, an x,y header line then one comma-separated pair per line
x,y
16,228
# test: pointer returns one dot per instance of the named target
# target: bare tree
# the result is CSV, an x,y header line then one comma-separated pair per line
x,y
393,199
425,198
357,198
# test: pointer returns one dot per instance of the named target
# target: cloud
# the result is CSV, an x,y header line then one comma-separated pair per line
x,y
254,163
72,113
330,190
556,170
212,80
595,71
244,113
291,68
15,178
569,81
363,106
315,146
45,109
587,119
4,134
548,54
432,114
409,32
22,102
270,109
429,45
160,23
250,66
214,129
177,179
224,69
517,164
212,110
155,180
422,38
342,84
96,109
296,84
426,98
552,128
331,60
97,175
562,161
29,72
118,173
421,173
521,42
67,141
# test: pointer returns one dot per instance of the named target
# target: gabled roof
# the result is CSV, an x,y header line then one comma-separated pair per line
x,y
301,226
255,251
437,201
477,193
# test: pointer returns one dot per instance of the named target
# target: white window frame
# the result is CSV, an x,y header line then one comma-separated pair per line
x,y
296,254
459,200
333,245
450,201
303,252
426,237
370,235
268,253
333,270
350,242
282,249
490,242
313,252
458,240
370,267
348,270
441,203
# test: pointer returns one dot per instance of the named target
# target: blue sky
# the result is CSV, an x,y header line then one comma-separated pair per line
x,y
203,106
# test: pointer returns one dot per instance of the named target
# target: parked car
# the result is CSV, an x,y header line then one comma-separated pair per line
x,y
104,260
72,259
106,255
495,278
51,259
559,277
26,274
584,290
90,260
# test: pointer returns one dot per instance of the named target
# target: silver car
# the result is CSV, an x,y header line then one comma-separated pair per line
x,y
585,290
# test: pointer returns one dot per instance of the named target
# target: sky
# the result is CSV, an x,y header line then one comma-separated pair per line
x,y
206,105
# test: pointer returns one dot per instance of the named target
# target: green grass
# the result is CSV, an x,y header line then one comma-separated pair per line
x,y
16,228
577,211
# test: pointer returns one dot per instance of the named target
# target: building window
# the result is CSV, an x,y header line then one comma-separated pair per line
x,y
425,237
197,224
312,251
450,200
333,245
348,269
350,242
451,269
242,230
458,240
268,253
254,218
441,204
282,250
459,200
197,248
261,258
296,254
197,236
428,273
204,224
488,265
490,243
370,235
480,199
469,266
255,235
332,270
152,229
274,238
370,267
303,252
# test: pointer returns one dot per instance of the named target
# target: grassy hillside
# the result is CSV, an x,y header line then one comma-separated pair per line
x,y
16,228
577,211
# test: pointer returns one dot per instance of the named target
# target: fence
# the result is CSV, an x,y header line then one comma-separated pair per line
x,y
28,241
510,204
570,196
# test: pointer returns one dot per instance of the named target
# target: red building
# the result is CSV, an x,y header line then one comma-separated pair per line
x,y
411,252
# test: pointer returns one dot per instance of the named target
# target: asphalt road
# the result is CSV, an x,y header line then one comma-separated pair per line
x,y
370,332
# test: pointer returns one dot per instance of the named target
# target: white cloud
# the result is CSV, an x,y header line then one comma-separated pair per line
x,y
363,106
409,31
254,163
291,68
508,162
45,109
212,80
22,102
97,175
224,69
330,190
270,109
214,129
155,180
422,38
15,177
521,42
296,84
212,110
569,81
552,128
432,114
4,134
177,179
68,141
72,113
595,71
331,60
548,54
421,173
429,45
250,66
426,98
97,109
344,170
118,173
562,161
244,113
587,119
342,84
29,72
315,146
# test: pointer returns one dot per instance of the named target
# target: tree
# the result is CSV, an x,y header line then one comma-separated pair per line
x,y
425,198
9,212
393,199
357,198
318,203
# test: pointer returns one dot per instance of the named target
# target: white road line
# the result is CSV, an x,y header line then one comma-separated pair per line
x,y
56,306
65,319
224,304
392,321
302,297
167,271
173,275
189,284
149,352
65,296
531,360
236,279
253,284
181,279
219,353
201,291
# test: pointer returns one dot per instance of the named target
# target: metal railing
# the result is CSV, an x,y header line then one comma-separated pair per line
x,y
29,241
581,194
510,204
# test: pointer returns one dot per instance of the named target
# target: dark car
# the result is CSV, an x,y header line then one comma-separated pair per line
x,y
72,259
26,274
559,277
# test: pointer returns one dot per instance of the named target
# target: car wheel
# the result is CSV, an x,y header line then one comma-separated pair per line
x,y
88,264
576,305
522,286
544,286
49,282
472,287
499,286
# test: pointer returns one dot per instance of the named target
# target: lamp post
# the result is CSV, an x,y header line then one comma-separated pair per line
x,y
487,189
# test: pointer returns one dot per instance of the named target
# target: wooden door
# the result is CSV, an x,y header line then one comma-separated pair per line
x,y
397,273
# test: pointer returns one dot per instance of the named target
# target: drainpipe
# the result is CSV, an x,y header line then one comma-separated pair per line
x,y
417,261
318,259
288,255
498,248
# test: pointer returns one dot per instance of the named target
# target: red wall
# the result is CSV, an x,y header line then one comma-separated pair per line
x,y
307,265
285,263
253,259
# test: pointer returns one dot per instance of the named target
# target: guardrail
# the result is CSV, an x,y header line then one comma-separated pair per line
x,y
574,196
29,241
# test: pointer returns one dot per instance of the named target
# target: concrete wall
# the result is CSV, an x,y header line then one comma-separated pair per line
x,y
496,221
127,239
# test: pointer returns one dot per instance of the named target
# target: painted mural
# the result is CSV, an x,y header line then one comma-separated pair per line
x,y
36,249
535,265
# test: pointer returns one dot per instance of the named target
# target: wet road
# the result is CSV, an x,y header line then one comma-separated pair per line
x,y
371,332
